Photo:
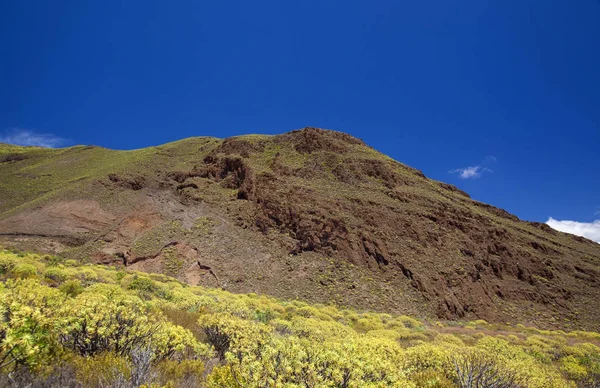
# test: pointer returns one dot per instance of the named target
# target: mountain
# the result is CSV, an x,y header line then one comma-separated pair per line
x,y
311,214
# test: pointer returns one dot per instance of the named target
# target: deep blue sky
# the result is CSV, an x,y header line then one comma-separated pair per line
x,y
439,85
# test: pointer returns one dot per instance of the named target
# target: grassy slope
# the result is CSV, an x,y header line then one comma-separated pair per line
x,y
48,173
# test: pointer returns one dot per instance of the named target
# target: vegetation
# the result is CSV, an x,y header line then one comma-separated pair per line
x,y
64,324
336,221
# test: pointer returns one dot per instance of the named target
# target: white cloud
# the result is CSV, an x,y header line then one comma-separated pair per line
x,y
26,137
490,158
589,230
470,172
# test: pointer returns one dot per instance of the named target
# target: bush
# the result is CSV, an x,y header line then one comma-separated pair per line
x,y
227,332
26,324
476,369
51,260
24,271
101,370
431,379
7,263
142,284
410,323
55,274
106,319
88,275
72,287
184,373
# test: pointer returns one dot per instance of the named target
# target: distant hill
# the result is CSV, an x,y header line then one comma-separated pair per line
x,y
312,214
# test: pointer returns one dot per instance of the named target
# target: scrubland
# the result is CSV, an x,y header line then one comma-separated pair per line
x,y
67,324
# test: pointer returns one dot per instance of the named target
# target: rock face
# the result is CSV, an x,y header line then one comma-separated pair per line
x,y
310,214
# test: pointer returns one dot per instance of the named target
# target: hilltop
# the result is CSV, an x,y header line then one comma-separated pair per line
x,y
314,215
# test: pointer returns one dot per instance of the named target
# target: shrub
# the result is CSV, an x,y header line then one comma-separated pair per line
x,y
476,369
55,274
62,375
71,287
7,263
26,324
184,373
410,323
264,316
227,332
368,323
142,284
12,157
88,275
574,370
428,357
51,260
101,370
106,319
24,271
431,379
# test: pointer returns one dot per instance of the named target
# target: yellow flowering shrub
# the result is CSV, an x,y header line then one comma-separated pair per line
x,y
26,323
428,356
105,318
24,271
301,362
232,335
7,263
154,331
55,274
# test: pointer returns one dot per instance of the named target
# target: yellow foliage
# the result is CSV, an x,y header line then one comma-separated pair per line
x,y
98,370
24,271
99,317
427,356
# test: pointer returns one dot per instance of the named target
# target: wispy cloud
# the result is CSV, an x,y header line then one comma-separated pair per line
x,y
474,172
26,137
471,172
589,230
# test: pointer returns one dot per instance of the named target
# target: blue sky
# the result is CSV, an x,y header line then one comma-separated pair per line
x,y
500,98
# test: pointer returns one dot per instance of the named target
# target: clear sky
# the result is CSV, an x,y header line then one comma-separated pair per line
x,y
501,98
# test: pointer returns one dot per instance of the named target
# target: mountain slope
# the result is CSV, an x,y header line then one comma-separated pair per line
x,y
310,214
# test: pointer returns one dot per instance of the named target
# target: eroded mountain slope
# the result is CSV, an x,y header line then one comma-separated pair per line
x,y
310,214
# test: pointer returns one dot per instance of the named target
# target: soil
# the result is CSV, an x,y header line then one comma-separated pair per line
x,y
315,215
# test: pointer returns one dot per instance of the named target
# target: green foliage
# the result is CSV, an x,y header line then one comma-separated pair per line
x,y
71,287
24,271
55,274
143,284
203,225
172,264
7,263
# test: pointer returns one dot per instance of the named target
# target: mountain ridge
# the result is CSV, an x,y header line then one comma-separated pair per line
x,y
310,214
